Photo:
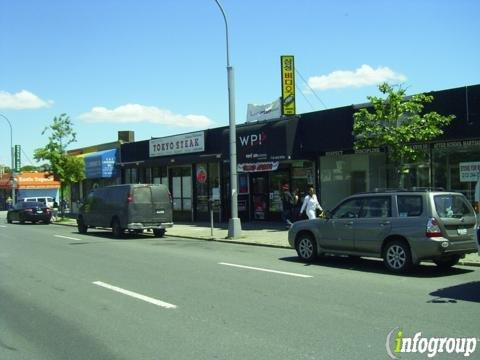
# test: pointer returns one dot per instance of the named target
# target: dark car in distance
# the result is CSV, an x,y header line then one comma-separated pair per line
x,y
29,211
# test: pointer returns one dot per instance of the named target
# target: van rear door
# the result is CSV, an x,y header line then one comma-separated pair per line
x,y
150,205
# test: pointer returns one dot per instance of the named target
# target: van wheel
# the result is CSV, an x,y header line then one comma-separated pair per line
x,y
158,232
306,247
82,228
447,261
117,231
397,256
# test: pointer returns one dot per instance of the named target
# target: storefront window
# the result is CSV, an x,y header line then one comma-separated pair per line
x,y
410,175
159,175
344,175
148,176
446,169
302,176
202,177
276,180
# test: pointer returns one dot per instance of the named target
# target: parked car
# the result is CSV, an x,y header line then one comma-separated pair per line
x,y
29,211
133,207
46,200
402,227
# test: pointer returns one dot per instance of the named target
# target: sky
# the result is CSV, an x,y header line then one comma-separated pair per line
x,y
158,67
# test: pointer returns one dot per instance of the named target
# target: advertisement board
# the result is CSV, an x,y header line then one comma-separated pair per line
x,y
288,85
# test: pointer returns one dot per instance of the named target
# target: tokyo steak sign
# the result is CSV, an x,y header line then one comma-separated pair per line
x,y
178,144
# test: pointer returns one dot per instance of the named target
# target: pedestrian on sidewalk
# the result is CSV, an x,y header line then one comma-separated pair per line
x,y
288,203
311,204
298,204
9,203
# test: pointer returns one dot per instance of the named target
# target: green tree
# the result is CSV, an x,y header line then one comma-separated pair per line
x,y
66,169
397,123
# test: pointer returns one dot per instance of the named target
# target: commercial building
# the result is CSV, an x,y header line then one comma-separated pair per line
x,y
101,167
309,149
28,184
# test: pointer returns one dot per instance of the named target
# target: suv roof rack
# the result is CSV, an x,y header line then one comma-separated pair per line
x,y
412,189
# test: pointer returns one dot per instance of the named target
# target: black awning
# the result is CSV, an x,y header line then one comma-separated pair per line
x,y
265,141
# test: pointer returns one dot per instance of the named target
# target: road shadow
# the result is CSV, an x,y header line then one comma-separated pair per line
x,y
106,234
376,266
466,292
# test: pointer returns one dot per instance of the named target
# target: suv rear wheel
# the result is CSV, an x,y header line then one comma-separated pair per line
x,y
306,247
447,261
397,257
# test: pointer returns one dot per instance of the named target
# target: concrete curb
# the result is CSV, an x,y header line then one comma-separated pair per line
x,y
239,242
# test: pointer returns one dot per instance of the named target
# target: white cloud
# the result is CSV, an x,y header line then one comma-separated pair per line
x,y
22,100
365,75
135,113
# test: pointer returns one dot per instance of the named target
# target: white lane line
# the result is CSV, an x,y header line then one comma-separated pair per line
x,y
266,270
135,295
67,237
3,225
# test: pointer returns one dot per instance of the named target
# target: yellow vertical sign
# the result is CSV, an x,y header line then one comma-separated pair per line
x,y
288,85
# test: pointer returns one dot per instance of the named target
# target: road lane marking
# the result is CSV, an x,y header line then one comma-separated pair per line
x,y
3,225
67,237
266,270
136,295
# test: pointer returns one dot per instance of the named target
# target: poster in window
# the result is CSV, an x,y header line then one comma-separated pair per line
x,y
243,184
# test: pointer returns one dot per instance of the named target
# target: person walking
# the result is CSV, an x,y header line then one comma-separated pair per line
x,y
9,203
311,204
298,204
288,202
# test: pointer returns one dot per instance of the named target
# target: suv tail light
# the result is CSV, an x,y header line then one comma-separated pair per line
x,y
130,198
433,230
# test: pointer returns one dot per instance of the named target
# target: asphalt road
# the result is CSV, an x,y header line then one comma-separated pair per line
x,y
69,296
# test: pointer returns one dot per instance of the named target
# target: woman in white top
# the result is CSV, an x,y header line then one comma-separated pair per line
x,y
311,204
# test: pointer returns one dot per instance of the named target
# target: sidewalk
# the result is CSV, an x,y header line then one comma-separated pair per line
x,y
253,233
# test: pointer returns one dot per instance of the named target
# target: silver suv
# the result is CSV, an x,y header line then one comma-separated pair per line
x,y
402,227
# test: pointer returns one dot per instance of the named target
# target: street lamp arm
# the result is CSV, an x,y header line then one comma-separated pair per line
x,y
11,136
226,30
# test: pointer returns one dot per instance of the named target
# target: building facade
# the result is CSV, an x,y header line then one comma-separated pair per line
x,y
309,149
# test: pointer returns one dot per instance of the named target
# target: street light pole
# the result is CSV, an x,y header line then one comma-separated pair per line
x,y
234,225
11,155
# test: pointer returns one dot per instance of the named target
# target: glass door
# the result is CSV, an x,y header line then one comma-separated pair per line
x,y
181,185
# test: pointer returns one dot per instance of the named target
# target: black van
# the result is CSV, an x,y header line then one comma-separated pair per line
x,y
133,207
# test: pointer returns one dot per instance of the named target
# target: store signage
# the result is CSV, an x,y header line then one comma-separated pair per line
x,y
17,158
179,144
264,112
101,164
469,171
457,144
258,167
288,85
253,139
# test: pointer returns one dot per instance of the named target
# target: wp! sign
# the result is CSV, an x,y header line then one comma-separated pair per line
x,y
179,144
469,171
